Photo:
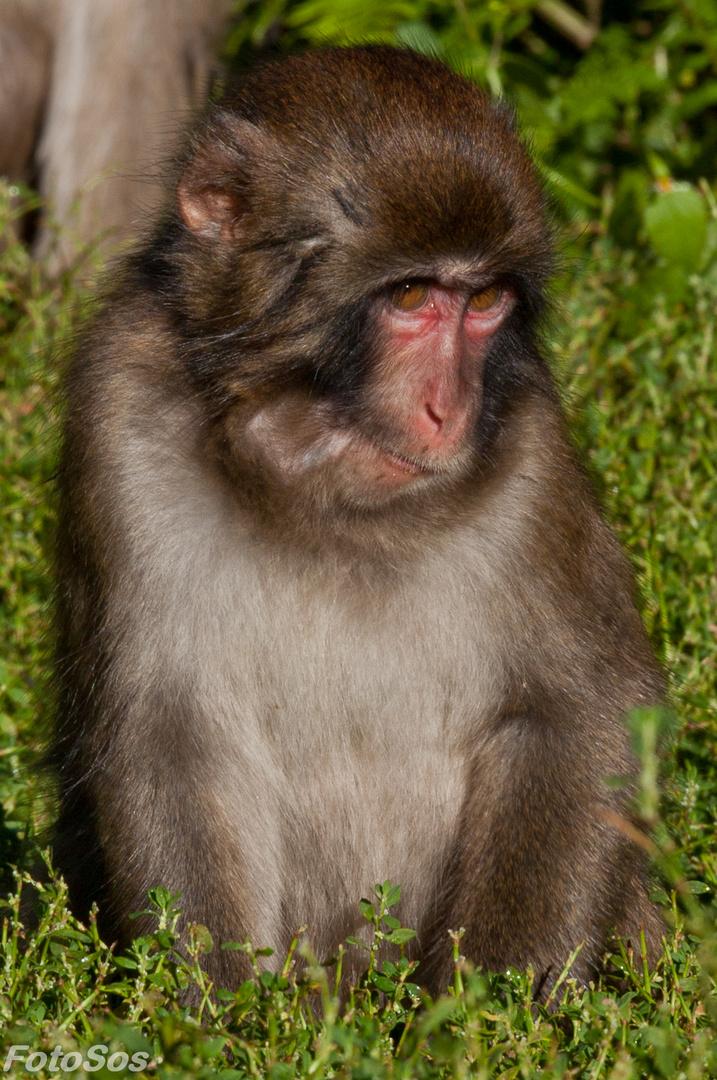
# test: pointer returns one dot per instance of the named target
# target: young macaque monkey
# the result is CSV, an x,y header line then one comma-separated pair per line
x,y
336,600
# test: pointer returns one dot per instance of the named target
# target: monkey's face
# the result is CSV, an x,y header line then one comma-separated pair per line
x,y
409,425
377,262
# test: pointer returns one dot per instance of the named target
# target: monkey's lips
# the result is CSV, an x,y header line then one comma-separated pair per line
x,y
406,465
379,463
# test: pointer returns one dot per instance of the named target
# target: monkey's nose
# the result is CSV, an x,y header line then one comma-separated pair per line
x,y
439,426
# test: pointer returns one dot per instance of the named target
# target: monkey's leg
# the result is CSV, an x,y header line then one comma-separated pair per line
x,y
538,869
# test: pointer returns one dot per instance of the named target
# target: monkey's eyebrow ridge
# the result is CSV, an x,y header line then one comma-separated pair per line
x,y
348,207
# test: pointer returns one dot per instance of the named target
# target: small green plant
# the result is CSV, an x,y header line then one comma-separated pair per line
x,y
389,983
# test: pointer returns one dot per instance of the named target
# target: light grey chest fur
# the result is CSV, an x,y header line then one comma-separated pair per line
x,y
345,722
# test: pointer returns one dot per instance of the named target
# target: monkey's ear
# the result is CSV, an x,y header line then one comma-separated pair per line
x,y
212,195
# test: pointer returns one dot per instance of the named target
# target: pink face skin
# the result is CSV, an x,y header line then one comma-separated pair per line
x,y
418,410
428,386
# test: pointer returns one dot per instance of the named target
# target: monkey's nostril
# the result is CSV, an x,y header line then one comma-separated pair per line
x,y
433,416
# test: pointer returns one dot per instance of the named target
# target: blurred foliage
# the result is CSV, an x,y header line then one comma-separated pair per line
x,y
619,103
36,316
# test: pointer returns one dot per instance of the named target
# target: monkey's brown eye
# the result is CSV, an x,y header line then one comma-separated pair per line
x,y
409,296
485,299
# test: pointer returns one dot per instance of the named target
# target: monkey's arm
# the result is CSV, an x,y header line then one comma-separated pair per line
x,y
135,748
537,836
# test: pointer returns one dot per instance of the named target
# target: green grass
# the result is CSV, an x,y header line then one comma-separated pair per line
x,y
640,383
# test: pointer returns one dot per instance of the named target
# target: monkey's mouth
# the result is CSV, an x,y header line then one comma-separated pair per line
x,y
413,465
406,464
398,468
